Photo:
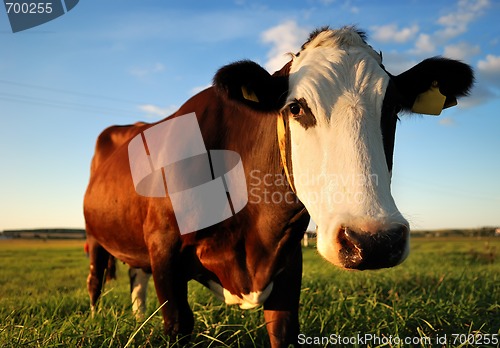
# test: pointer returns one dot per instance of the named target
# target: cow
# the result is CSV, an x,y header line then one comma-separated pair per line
x,y
317,137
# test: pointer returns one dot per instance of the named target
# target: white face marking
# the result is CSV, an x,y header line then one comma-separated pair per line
x,y
245,301
139,291
339,166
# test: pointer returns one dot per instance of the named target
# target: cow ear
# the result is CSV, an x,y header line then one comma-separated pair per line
x,y
247,83
434,84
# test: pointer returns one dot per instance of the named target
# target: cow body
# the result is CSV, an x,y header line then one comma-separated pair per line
x,y
238,258
337,108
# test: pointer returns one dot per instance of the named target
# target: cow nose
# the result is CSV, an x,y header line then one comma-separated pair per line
x,y
363,250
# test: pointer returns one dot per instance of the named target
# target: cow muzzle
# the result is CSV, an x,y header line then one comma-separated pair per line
x,y
357,249
362,250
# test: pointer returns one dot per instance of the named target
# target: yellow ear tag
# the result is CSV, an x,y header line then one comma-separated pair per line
x,y
430,102
249,94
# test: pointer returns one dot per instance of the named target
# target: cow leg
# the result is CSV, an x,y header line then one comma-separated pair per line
x,y
281,309
170,284
99,258
138,290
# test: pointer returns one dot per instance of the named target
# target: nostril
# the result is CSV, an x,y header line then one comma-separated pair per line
x,y
350,248
365,250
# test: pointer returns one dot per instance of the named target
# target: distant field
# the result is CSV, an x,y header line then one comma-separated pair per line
x,y
449,289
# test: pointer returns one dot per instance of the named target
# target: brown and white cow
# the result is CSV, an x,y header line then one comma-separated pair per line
x,y
336,108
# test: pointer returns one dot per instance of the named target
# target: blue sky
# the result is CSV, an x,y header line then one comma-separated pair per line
x,y
119,61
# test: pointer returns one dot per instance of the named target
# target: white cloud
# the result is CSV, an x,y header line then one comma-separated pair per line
x,y
396,62
461,51
447,122
354,10
391,33
489,71
457,22
480,94
424,45
348,5
154,111
142,72
491,65
284,38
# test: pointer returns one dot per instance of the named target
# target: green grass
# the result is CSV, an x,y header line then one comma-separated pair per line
x,y
447,286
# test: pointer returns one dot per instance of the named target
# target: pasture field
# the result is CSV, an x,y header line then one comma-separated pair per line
x,y
445,294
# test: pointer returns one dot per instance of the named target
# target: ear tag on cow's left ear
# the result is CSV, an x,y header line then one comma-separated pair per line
x,y
248,94
430,102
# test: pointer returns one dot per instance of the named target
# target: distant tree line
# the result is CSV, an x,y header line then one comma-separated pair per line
x,y
44,233
65,233
466,232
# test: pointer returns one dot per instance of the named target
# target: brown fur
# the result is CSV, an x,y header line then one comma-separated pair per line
x,y
243,254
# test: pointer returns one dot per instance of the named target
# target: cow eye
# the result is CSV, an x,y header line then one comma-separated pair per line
x,y
295,109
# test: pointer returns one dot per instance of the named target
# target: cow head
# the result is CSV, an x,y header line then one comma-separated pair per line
x,y
340,108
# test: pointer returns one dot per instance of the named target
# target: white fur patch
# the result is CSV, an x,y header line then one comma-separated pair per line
x,y
245,301
139,291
